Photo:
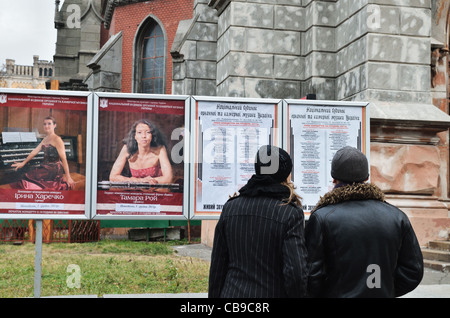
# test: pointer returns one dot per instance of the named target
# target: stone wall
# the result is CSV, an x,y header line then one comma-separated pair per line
x,y
78,38
391,54
338,49
194,53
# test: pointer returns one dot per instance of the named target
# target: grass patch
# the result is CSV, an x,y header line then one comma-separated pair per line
x,y
106,267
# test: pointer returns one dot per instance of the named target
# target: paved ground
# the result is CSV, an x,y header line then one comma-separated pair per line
x,y
435,284
194,250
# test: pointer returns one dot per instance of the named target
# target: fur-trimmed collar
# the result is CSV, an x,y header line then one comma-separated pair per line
x,y
356,191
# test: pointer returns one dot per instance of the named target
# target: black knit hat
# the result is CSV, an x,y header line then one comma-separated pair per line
x,y
274,161
349,165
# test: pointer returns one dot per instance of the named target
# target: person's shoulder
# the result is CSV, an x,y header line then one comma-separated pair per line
x,y
233,199
322,213
56,141
393,209
160,150
124,149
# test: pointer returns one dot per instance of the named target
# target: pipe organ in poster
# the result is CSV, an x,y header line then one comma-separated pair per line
x,y
44,154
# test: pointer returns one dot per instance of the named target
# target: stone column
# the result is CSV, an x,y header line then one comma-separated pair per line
x,y
35,66
259,49
194,53
409,160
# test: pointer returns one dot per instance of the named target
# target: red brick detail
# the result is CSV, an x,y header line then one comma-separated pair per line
x,y
128,18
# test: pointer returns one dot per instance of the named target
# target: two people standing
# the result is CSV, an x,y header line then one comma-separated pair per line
x,y
355,243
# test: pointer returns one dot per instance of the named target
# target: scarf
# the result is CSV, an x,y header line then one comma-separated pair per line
x,y
265,185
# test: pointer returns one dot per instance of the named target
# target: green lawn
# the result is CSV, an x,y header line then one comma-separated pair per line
x,y
106,267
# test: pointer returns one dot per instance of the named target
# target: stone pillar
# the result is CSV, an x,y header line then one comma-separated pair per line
x,y
194,53
259,49
10,67
409,144
35,66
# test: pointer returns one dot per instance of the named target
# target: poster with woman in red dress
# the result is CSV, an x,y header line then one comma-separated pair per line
x,y
140,167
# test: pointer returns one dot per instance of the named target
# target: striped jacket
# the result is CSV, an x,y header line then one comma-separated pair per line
x,y
259,250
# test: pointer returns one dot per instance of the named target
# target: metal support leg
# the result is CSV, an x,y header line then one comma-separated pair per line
x,y
38,260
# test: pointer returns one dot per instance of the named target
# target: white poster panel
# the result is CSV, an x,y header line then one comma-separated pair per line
x,y
45,154
227,133
314,131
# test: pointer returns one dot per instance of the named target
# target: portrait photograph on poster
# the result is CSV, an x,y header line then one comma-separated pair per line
x,y
43,154
227,134
139,159
315,131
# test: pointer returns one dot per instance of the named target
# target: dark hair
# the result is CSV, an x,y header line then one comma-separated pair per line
x,y
157,138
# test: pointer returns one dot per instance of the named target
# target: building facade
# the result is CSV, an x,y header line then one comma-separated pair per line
x,y
79,25
25,76
391,54
136,58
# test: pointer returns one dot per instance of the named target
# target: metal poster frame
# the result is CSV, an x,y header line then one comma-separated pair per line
x,y
196,151
147,214
333,118
32,199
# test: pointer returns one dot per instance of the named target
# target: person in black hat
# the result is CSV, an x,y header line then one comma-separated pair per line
x,y
259,249
358,244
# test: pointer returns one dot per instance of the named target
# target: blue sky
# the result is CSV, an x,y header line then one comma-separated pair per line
x,y
27,29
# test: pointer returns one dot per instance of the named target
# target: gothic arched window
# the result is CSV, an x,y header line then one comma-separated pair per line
x,y
151,59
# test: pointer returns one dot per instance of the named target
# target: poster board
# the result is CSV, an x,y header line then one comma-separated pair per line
x,y
126,165
60,146
225,136
312,133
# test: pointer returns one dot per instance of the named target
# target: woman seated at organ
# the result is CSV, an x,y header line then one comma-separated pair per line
x,y
53,173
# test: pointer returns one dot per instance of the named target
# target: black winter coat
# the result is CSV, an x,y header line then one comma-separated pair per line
x,y
259,250
361,246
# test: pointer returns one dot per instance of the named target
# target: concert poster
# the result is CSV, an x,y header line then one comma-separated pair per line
x,y
315,131
44,154
139,166
227,134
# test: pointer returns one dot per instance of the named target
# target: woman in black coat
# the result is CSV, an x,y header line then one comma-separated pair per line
x,y
259,249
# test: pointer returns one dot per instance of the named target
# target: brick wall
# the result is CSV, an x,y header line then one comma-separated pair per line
x,y
128,18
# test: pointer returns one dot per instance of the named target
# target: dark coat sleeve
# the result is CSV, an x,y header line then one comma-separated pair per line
x,y
316,255
409,271
294,257
219,262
